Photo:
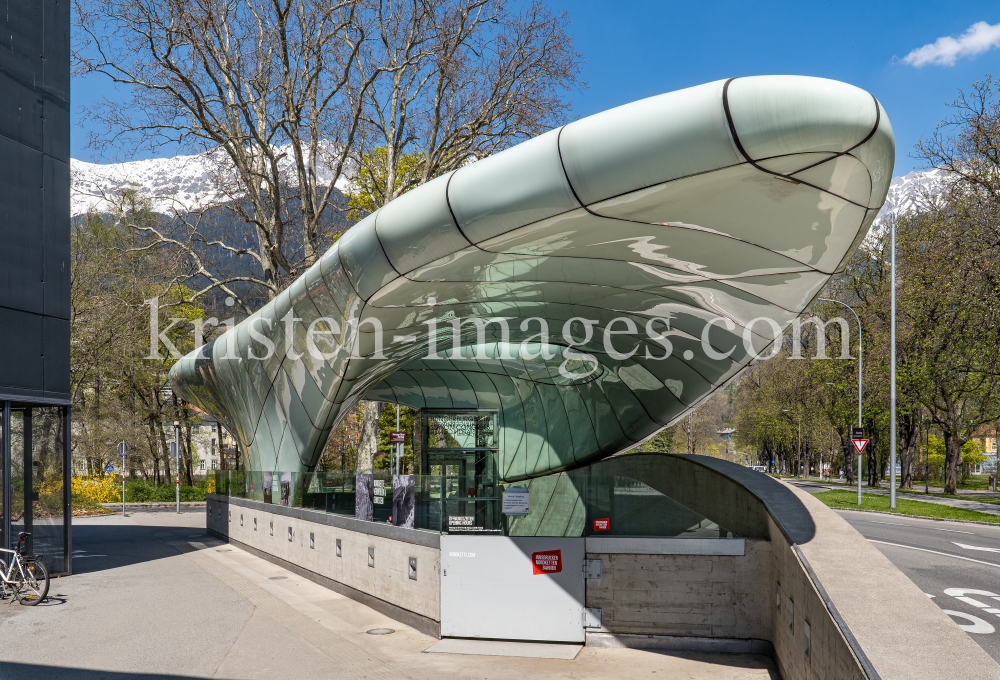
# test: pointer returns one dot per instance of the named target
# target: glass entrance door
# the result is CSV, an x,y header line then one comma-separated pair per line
x,y
460,450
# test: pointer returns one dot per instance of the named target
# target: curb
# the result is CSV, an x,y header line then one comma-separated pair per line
x,y
936,519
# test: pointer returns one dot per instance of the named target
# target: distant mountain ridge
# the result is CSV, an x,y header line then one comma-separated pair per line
x,y
185,183
178,184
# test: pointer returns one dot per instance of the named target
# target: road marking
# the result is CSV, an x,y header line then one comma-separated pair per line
x,y
975,625
936,552
895,524
977,547
954,531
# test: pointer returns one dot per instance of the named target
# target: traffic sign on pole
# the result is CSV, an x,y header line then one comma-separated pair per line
x,y
860,444
109,468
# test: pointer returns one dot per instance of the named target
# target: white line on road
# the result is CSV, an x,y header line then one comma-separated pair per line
x,y
936,552
895,524
977,547
954,531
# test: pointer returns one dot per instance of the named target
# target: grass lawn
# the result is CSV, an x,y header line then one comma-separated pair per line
x,y
849,499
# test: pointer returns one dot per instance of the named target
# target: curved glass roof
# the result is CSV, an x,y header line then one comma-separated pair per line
x,y
664,244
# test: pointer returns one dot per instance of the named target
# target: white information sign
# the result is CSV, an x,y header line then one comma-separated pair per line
x,y
516,502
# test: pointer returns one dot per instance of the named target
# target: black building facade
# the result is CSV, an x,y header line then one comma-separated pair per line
x,y
35,277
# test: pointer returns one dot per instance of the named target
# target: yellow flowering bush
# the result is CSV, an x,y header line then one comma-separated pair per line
x,y
98,489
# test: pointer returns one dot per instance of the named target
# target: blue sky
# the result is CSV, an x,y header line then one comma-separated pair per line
x,y
636,49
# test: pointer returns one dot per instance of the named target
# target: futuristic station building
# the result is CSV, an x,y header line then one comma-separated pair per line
x,y
570,296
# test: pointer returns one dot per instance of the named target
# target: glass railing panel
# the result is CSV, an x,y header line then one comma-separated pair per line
x,y
570,504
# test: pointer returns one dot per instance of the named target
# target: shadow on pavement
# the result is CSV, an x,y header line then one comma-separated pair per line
x,y
99,547
727,660
27,671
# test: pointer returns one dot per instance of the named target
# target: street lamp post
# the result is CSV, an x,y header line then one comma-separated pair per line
x,y
856,318
892,368
799,416
177,462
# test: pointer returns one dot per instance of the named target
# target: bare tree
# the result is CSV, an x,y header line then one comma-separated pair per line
x,y
284,97
463,79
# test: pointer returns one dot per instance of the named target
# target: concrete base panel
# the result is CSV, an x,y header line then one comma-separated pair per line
x,y
525,650
416,621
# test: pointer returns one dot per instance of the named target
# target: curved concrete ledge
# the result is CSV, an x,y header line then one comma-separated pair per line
x,y
866,619
903,634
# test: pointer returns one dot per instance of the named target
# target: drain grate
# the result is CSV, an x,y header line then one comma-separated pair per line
x,y
276,578
223,550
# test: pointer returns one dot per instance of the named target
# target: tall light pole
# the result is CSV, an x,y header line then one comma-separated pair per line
x,y
856,318
799,416
177,462
892,367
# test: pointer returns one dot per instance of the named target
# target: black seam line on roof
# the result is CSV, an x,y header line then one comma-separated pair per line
x,y
800,268
500,398
676,226
521,258
384,254
677,179
647,290
610,365
838,154
485,249
751,161
631,314
454,218
569,183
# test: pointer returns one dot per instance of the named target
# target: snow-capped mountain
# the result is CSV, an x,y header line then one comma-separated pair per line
x,y
181,183
911,192
185,183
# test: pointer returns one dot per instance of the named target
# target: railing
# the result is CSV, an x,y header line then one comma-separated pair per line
x,y
568,504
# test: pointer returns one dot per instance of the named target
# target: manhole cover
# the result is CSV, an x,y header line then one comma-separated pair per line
x,y
224,550
275,578
380,631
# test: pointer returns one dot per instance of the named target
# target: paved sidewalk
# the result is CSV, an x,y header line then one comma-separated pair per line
x,y
818,487
155,597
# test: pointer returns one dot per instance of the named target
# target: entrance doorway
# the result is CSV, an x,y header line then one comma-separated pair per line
x,y
459,454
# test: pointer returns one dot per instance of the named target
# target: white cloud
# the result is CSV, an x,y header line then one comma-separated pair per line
x,y
945,51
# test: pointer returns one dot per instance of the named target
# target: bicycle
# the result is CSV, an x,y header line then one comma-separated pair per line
x,y
26,578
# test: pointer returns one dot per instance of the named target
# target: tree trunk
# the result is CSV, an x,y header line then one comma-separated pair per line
x,y
952,452
908,450
188,455
368,442
848,447
166,451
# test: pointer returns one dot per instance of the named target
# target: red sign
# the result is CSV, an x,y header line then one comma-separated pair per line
x,y
602,524
547,562
860,444
397,437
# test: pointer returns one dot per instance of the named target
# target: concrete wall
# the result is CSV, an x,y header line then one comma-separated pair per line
x,y
647,591
843,611
386,586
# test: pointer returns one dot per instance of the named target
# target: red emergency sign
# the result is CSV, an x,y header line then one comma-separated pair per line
x,y
602,524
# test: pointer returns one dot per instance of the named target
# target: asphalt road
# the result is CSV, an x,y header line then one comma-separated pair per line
x,y
956,564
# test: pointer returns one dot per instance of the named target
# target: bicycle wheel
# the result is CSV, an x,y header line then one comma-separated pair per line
x,y
35,586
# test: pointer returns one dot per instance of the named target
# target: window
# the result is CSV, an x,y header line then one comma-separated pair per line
x,y
202,464
215,465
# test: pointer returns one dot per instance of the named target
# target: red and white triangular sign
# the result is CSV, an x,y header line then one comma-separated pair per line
x,y
860,444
